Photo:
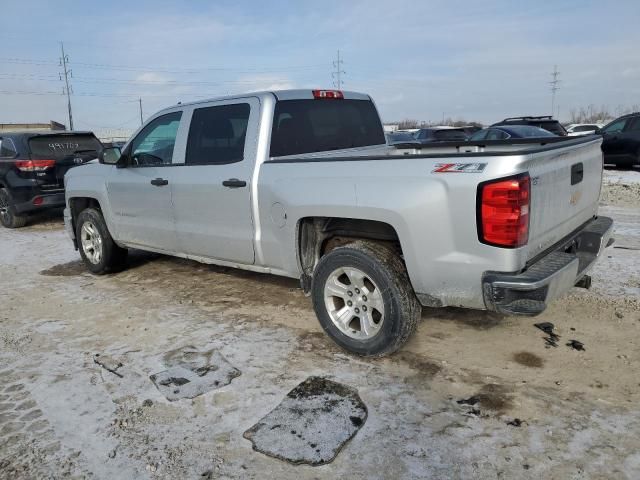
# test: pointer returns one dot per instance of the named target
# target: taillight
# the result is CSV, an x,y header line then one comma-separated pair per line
x,y
335,94
503,211
34,165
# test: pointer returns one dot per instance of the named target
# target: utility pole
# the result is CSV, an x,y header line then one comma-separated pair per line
x,y
140,103
338,72
554,87
64,63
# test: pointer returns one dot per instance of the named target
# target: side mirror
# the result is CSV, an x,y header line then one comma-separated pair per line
x,y
598,132
110,155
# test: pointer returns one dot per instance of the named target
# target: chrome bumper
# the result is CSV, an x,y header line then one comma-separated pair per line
x,y
529,292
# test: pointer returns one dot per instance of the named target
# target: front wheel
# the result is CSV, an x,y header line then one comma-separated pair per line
x,y
363,298
99,252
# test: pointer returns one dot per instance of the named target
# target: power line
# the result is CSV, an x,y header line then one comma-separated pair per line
x,y
554,87
338,72
64,60
159,69
118,81
133,96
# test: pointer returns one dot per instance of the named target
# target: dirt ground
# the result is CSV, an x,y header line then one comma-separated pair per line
x,y
472,395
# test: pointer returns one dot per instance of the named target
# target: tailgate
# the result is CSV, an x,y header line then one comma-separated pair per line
x,y
67,149
565,189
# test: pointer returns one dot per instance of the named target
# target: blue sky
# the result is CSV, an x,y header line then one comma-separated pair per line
x,y
474,60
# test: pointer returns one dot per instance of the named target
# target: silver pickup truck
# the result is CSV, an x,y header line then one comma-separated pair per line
x,y
300,183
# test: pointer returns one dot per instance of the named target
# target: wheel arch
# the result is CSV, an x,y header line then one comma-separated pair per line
x,y
316,236
77,205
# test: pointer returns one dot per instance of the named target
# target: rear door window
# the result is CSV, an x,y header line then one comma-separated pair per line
x,y
553,127
217,134
479,135
307,126
495,134
60,147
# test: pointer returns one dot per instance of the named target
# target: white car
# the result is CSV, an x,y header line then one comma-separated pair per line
x,y
576,129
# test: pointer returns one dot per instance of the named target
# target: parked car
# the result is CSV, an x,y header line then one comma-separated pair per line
x,y
621,141
118,143
399,137
510,131
301,183
576,129
32,168
439,134
545,122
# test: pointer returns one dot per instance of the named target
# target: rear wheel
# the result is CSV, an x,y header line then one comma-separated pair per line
x,y
364,300
99,252
8,217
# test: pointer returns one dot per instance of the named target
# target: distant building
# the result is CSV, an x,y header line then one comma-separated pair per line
x,y
390,128
113,134
17,127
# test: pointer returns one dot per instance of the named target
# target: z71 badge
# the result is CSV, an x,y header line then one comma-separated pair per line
x,y
459,168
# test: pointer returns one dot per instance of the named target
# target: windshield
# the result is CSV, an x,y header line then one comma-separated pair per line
x,y
307,126
400,137
57,147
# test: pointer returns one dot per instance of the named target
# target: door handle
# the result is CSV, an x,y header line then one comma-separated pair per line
x,y
159,182
234,183
577,173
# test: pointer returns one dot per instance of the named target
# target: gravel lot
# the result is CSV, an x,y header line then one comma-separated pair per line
x,y
471,396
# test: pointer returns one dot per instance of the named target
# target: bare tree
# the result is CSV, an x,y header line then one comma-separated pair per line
x,y
407,123
602,114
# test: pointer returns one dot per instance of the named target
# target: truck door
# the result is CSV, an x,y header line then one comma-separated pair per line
x,y
140,193
211,191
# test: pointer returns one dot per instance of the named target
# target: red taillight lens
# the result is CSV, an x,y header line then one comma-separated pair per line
x,y
34,165
335,94
504,212
38,201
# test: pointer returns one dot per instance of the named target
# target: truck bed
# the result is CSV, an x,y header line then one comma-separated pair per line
x,y
434,208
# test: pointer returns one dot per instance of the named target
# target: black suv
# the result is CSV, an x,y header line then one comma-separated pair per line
x,y
32,168
547,123
621,141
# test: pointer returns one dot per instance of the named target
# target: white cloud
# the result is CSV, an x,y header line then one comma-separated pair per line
x,y
152,77
255,83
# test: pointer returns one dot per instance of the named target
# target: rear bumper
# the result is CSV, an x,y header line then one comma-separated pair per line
x,y
529,292
39,202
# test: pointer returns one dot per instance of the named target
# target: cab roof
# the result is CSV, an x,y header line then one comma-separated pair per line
x,y
291,94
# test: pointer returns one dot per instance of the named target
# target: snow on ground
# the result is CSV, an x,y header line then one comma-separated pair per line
x,y
472,395
621,176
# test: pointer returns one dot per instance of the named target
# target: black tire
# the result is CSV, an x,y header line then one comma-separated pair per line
x,y
112,257
8,216
383,266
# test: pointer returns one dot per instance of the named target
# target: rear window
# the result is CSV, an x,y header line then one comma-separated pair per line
x,y
57,147
449,135
585,128
307,126
553,127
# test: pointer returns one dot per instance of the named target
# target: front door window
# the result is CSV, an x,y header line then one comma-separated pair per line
x,y
154,144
